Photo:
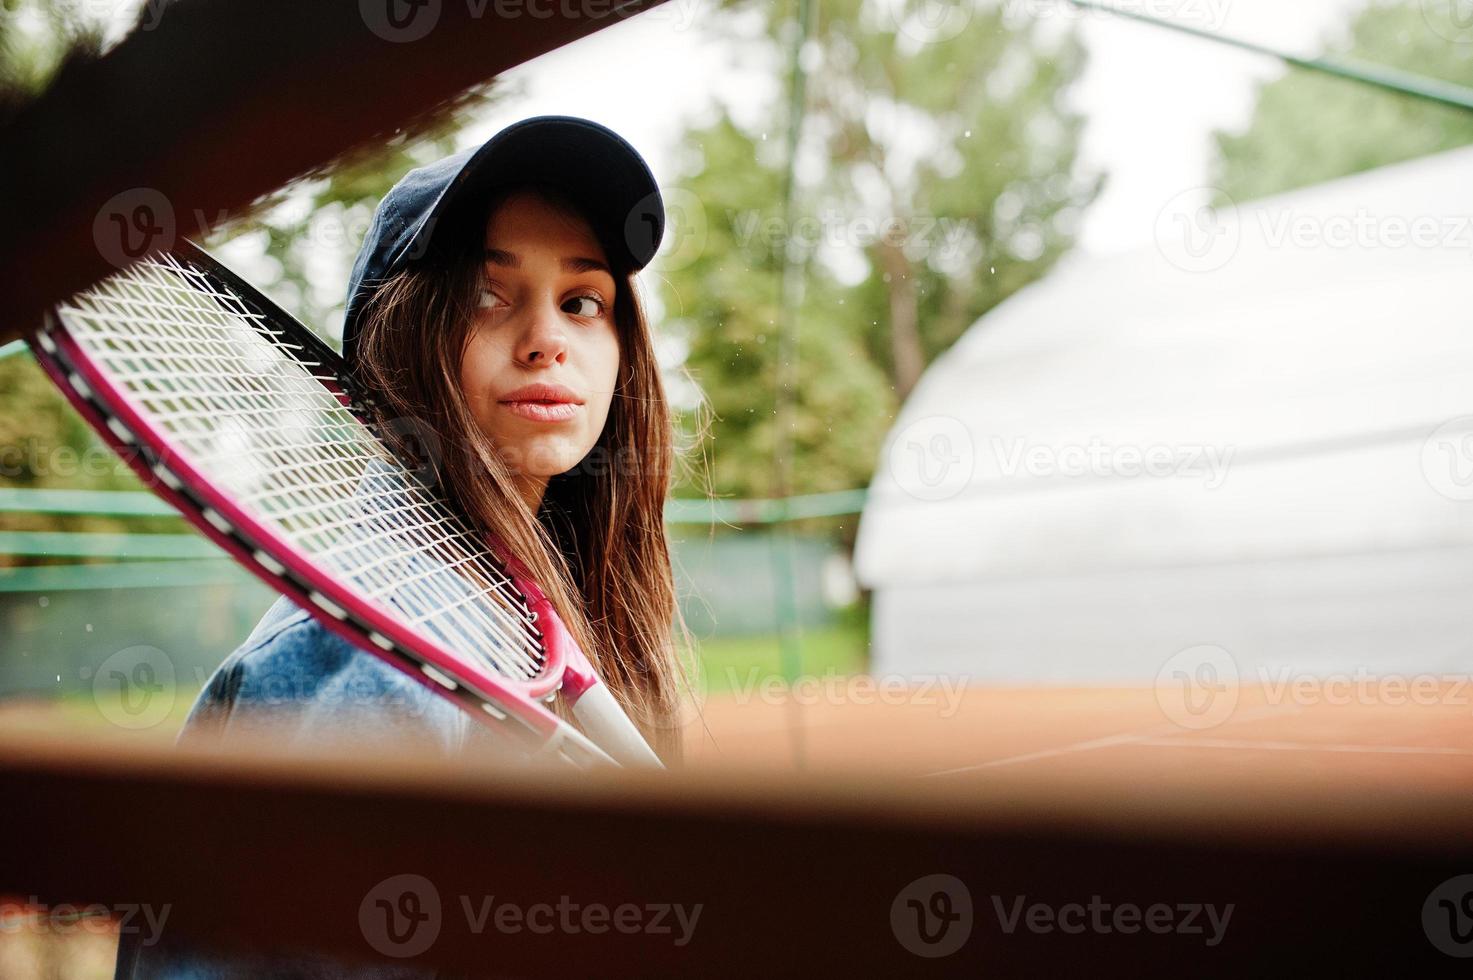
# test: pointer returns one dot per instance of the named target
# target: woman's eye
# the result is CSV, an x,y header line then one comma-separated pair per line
x,y
489,300
592,305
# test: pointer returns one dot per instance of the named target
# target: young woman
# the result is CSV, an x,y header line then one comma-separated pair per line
x,y
493,305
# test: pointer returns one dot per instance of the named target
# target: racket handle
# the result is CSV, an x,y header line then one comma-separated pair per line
x,y
601,717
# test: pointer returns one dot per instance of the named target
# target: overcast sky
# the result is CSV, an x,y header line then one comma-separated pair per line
x,y
1151,97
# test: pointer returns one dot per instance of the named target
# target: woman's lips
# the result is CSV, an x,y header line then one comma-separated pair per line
x,y
541,411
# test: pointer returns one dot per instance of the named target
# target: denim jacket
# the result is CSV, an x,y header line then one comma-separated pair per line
x,y
300,681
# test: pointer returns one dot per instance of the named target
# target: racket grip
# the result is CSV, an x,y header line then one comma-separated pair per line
x,y
601,717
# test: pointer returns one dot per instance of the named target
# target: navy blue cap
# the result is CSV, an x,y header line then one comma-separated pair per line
x,y
596,167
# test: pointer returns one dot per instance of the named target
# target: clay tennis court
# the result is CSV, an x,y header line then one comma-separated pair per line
x,y
1106,736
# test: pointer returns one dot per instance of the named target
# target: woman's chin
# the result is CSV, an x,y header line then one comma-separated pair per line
x,y
543,458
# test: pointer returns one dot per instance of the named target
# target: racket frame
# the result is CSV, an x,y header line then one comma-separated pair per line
x,y
502,704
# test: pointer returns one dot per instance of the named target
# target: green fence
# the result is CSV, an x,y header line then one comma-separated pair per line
x,y
99,592
77,597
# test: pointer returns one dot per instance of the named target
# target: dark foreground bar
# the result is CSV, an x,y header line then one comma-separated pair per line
x,y
210,104
714,872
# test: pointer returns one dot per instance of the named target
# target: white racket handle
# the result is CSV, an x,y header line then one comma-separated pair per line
x,y
601,717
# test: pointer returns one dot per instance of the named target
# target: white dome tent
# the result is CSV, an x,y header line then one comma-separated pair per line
x,y
1261,443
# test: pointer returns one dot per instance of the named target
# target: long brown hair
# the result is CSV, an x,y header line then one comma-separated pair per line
x,y
597,544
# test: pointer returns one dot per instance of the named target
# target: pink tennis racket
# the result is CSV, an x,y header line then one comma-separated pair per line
x,y
244,420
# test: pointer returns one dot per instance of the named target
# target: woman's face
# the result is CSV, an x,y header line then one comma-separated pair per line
x,y
542,357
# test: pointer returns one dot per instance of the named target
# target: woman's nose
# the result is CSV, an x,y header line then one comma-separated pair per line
x,y
543,340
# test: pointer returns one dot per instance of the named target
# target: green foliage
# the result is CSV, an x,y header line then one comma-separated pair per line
x,y
725,304
44,444
745,665
1309,127
987,207
329,211
37,41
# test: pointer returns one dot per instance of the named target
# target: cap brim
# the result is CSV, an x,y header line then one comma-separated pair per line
x,y
597,167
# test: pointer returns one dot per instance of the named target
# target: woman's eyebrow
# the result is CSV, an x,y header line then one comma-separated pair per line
x,y
576,263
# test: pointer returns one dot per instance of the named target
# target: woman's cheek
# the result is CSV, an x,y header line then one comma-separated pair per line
x,y
475,378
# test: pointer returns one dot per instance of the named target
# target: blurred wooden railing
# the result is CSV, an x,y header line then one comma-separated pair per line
x,y
794,875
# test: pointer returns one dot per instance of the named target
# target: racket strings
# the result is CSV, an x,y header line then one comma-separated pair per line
x,y
243,402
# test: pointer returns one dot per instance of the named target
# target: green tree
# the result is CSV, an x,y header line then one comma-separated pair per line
x,y
1309,127
938,177
328,212
724,305
38,40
